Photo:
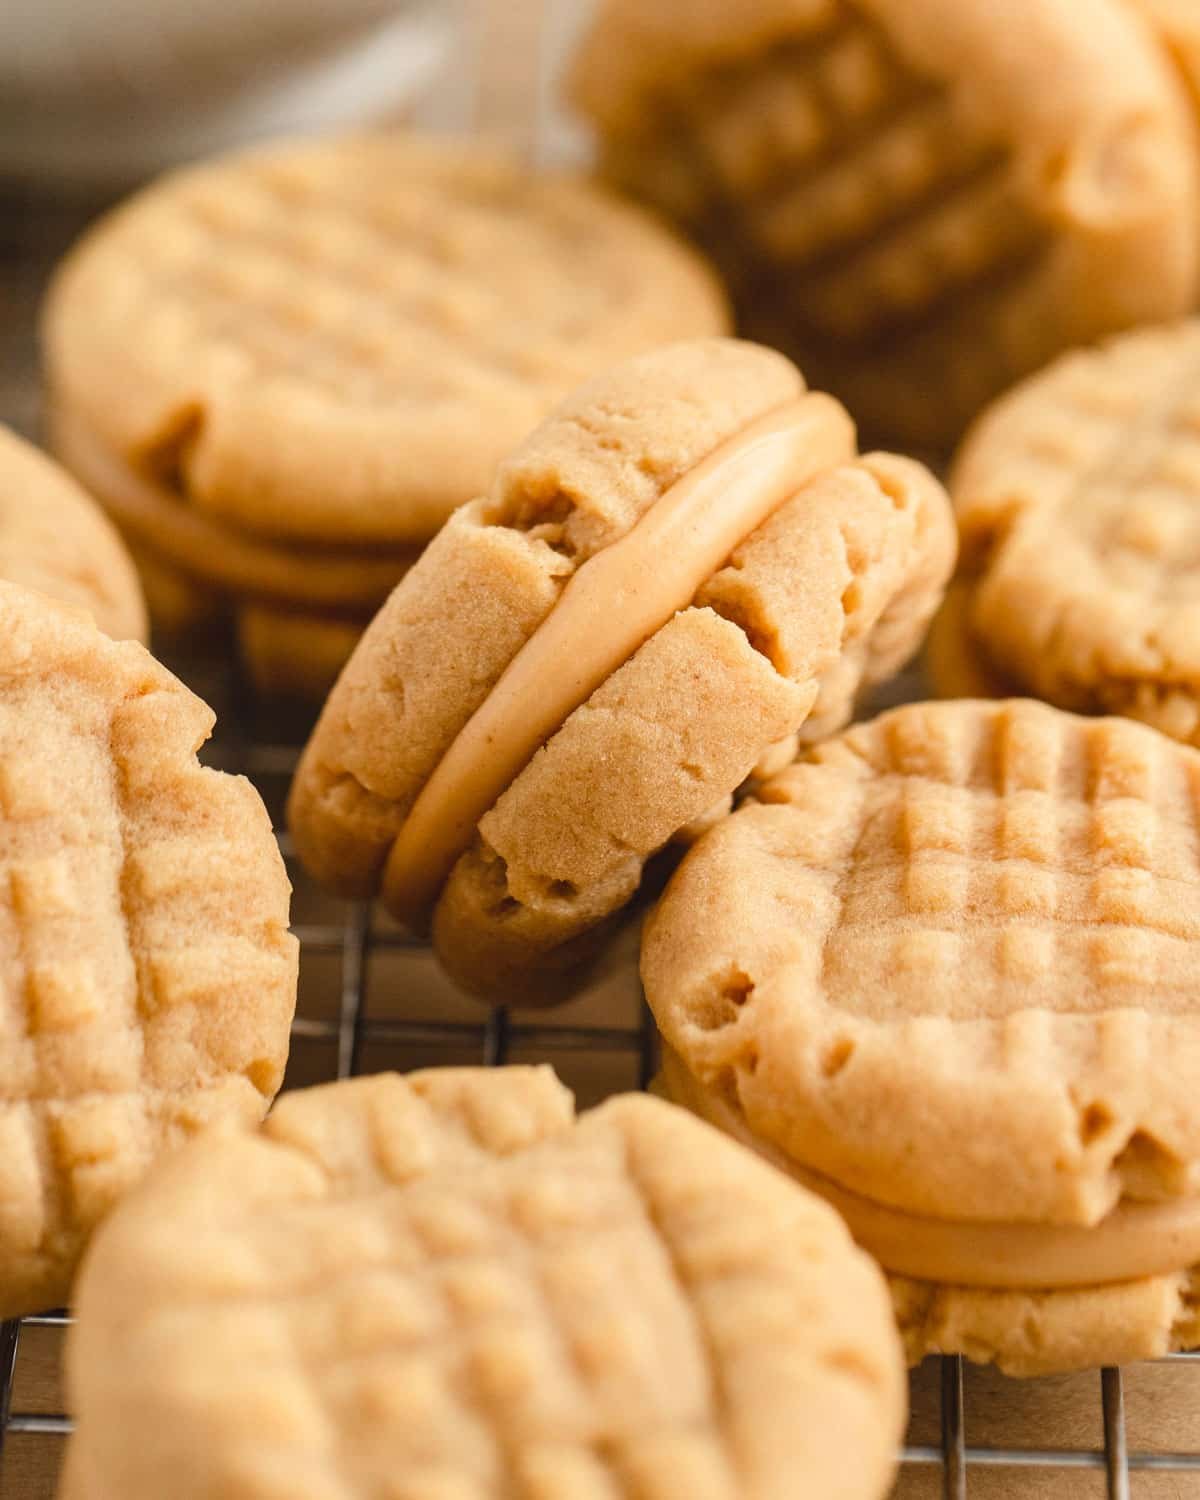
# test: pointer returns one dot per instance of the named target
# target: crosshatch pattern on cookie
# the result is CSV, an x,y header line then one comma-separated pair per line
x,y
298,269
959,901
118,853
1080,496
870,208
425,1307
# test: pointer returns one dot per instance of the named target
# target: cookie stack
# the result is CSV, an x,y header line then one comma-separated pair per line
x,y
282,371
923,200
685,565
944,972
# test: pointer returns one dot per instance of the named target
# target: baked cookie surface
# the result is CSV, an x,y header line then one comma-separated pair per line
x,y
447,1284
54,538
148,975
1077,499
827,585
922,200
945,970
338,340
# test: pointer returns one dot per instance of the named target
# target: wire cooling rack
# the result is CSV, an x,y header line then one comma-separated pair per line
x,y
370,999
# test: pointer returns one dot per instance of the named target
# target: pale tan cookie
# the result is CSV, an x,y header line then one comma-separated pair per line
x,y
559,724
336,341
921,199
446,1284
147,977
54,538
1078,498
946,972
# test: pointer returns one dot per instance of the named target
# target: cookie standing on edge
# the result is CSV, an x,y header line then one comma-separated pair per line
x,y
685,564
1078,501
147,977
283,369
947,973
447,1284
921,200
54,538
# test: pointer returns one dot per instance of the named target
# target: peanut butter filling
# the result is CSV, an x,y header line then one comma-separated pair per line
x,y
152,513
615,602
1135,1240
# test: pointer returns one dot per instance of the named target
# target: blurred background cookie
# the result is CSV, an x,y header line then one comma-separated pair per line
x,y
55,538
283,370
922,200
500,1298
1078,502
945,971
686,563
149,978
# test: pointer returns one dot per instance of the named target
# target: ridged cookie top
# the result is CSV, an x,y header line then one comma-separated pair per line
x,y
1079,504
445,1284
54,538
338,341
952,960
922,199
147,978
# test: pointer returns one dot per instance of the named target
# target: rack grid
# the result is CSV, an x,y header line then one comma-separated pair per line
x,y
347,1018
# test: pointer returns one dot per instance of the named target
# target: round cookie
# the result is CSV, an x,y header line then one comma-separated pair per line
x,y
148,977
953,664
282,370
55,539
945,971
447,1284
292,654
1077,505
921,200
684,564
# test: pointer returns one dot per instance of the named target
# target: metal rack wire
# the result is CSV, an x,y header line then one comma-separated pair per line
x,y
346,1026
347,1018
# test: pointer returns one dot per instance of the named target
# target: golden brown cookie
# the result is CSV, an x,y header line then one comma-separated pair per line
x,y
946,971
677,569
54,538
1077,498
148,977
922,200
283,369
955,666
449,1285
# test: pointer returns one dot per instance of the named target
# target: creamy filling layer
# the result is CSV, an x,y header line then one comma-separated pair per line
x,y
1133,1241
153,514
615,602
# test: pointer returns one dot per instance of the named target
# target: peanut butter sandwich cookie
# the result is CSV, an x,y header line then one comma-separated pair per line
x,y
147,977
1177,24
921,200
683,565
946,972
448,1285
1078,500
282,370
54,538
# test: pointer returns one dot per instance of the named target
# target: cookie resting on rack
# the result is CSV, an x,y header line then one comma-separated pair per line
x,y
281,370
56,539
147,977
1078,502
685,564
946,972
921,200
448,1285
